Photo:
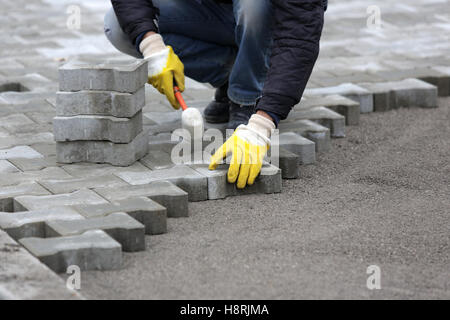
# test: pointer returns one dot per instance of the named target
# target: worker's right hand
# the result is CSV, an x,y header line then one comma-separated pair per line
x,y
164,67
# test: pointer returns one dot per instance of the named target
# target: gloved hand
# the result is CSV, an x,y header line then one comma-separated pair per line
x,y
248,146
164,67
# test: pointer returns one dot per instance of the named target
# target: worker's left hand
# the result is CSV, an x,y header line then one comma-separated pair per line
x,y
164,67
248,146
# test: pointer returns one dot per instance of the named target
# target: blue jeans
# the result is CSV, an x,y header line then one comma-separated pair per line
x,y
218,43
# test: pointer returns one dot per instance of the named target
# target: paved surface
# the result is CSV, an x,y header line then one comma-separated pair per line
x,y
380,196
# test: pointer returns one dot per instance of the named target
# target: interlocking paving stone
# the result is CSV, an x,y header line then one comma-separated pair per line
x,y
30,203
289,164
71,185
25,277
9,179
87,127
76,76
299,145
7,194
26,139
184,177
148,212
92,170
404,93
119,225
117,154
349,108
109,103
157,159
269,181
174,199
442,82
92,250
7,167
34,164
19,152
32,223
349,90
311,130
218,187
326,117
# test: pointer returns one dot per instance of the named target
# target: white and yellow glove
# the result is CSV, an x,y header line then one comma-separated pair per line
x,y
164,67
248,146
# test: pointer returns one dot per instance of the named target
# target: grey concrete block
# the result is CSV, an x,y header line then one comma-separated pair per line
x,y
148,212
184,177
324,116
174,199
102,103
92,250
34,164
117,154
157,159
218,186
7,194
349,108
298,145
32,223
441,81
75,76
119,225
289,164
25,152
92,170
30,203
71,185
349,90
117,130
9,179
269,181
7,167
311,130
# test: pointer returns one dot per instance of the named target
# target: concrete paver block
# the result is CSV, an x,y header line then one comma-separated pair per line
x,y
30,203
7,194
117,154
119,225
148,212
298,145
71,185
32,223
106,103
92,170
117,130
349,108
157,159
174,199
7,167
289,164
19,152
311,130
349,90
269,181
218,186
76,76
92,250
324,116
9,179
184,177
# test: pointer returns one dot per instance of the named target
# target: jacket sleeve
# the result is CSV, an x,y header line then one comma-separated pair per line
x,y
297,31
136,16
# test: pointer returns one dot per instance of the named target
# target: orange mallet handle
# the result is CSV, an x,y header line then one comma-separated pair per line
x,y
179,97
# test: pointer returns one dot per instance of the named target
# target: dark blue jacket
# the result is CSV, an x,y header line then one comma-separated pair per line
x,y
297,32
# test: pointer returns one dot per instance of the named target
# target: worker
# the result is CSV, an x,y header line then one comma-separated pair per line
x,y
258,54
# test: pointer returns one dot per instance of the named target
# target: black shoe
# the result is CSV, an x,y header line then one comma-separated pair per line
x,y
239,115
217,111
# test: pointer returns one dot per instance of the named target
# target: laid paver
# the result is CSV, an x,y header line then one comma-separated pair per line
x,y
157,159
129,78
92,250
83,196
92,127
23,277
117,104
311,130
120,226
7,167
32,223
349,90
148,212
289,164
71,185
7,194
184,177
117,154
298,145
218,187
34,164
92,170
25,152
9,179
324,116
167,194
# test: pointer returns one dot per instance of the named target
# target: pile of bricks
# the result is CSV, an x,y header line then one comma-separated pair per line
x,y
99,113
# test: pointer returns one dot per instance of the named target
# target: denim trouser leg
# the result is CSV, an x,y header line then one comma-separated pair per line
x,y
206,36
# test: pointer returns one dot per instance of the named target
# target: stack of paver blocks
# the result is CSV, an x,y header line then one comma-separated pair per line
x,y
99,113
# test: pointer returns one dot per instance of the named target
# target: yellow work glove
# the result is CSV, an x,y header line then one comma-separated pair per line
x,y
248,146
164,67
